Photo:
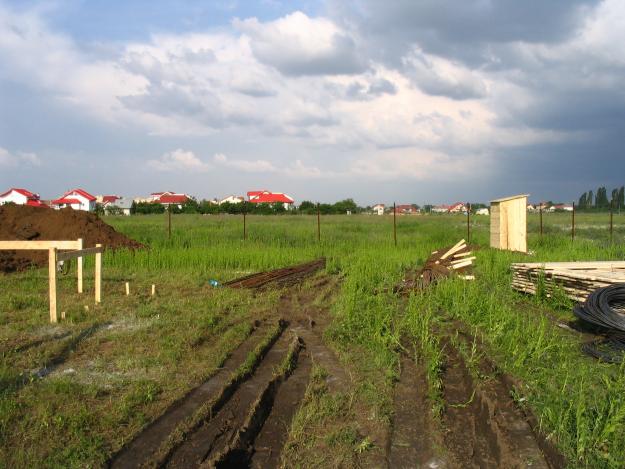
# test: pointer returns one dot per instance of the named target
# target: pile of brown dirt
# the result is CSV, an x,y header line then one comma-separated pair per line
x,y
20,222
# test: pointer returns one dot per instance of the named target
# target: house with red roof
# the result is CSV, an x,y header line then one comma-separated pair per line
x,y
168,198
266,197
458,207
378,209
21,196
77,199
406,210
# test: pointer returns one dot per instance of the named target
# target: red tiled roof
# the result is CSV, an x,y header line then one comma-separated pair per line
x,y
36,203
270,198
65,201
109,198
173,199
251,194
80,192
24,192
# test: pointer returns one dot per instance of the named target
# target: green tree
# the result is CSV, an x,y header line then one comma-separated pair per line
x,y
590,200
307,207
621,197
583,201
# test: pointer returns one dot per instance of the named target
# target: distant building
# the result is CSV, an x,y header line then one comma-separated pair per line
x,y
266,197
440,209
482,211
169,198
20,196
458,207
563,207
78,199
119,205
232,199
406,210
378,209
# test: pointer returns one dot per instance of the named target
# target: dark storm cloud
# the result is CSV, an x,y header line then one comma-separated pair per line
x,y
461,28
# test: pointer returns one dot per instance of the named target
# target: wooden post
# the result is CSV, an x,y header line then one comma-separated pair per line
x,y
244,225
168,220
468,222
127,288
52,282
611,222
98,275
318,223
395,223
79,266
540,211
573,223
153,289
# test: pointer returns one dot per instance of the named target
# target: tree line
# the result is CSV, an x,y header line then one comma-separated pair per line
x,y
600,200
208,207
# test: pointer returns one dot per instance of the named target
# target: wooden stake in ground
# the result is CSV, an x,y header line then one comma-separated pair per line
x,y
395,223
318,223
98,275
468,222
573,223
540,211
244,223
52,282
127,288
153,289
79,266
611,222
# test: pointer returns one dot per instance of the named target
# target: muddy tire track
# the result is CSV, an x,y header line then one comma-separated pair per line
x,y
413,435
273,435
215,435
482,426
145,445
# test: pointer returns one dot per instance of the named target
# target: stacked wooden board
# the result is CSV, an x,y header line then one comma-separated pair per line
x,y
576,279
441,263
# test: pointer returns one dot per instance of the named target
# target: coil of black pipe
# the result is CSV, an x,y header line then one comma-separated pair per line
x,y
602,309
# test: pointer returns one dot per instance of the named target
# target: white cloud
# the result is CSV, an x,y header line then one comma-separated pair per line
x,y
179,160
12,160
299,45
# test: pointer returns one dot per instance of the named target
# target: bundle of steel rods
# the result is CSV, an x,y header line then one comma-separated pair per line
x,y
456,259
576,279
284,277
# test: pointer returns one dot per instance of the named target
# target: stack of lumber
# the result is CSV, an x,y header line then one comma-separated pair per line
x,y
456,259
576,279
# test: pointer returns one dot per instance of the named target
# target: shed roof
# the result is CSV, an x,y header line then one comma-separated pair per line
x,y
512,197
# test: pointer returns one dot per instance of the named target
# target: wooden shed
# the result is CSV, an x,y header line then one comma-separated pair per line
x,y
508,223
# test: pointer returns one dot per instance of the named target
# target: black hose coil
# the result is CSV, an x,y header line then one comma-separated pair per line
x,y
599,308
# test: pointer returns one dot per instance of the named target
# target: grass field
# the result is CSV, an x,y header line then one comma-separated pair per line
x,y
73,394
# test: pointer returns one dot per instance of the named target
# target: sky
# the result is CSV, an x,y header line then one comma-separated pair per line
x,y
413,101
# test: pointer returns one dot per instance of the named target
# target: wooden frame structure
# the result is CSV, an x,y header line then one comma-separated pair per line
x,y
508,223
62,251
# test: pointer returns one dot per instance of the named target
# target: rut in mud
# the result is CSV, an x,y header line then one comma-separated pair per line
x,y
480,426
244,421
412,442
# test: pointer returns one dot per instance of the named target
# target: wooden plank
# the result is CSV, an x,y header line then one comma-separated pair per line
x,y
37,245
63,256
572,265
98,275
456,247
79,265
52,282
462,254
458,261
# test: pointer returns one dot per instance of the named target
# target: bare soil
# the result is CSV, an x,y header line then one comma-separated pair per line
x,y
24,223
413,436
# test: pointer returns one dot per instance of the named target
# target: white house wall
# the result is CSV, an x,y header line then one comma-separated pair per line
x,y
14,197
